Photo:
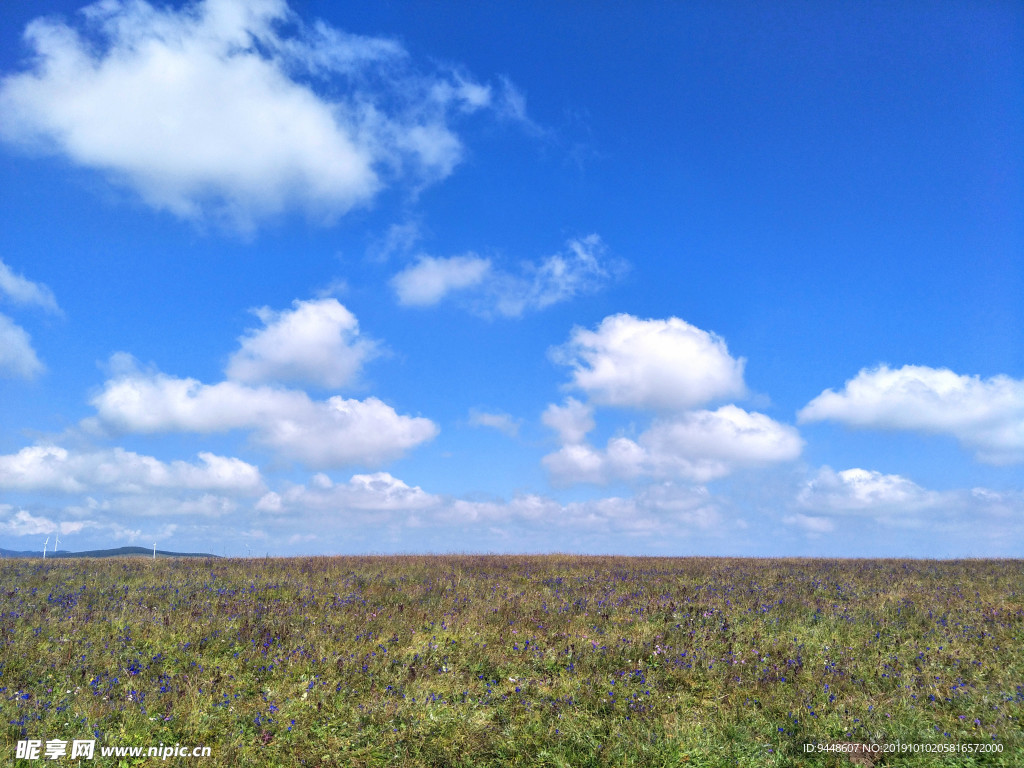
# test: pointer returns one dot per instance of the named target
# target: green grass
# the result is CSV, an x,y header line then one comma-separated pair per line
x,y
514,661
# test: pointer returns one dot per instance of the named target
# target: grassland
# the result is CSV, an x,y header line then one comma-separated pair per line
x,y
515,661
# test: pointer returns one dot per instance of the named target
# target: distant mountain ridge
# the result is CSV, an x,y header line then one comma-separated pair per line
x,y
118,552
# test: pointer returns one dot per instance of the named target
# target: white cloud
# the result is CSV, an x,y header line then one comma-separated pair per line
x,y
92,518
729,435
862,490
23,291
986,415
317,342
622,458
17,357
869,504
571,421
219,107
503,422
690,505
52,468
660,364
320,434
23,523
430,279
377,492
696,445
664,509
380,499
530,507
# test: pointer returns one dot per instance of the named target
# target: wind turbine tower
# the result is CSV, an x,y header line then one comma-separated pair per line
x,y
44,546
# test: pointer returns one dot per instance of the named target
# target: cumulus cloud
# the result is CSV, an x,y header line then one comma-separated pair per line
x,y
729,436
986,415
17,357
430,279
660,364
862,490
696,445
572,421
622,458
320,434
234,108
53,468
377,492
503,422
24,523
316,342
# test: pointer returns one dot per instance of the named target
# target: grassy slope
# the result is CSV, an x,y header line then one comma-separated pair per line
x,y
515,661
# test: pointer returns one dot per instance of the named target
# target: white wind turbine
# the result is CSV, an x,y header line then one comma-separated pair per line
x,y
56,543
154,550
44,546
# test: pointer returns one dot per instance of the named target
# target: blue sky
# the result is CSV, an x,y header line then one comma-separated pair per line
x,y
706,278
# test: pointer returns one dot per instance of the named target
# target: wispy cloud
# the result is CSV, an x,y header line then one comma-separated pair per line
x,y
581,268
398,239
23,291
503,422
491,290
18,358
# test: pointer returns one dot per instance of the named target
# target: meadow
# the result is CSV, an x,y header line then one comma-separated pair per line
x,y
515,660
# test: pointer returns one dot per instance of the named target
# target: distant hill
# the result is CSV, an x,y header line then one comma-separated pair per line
x,y
118,552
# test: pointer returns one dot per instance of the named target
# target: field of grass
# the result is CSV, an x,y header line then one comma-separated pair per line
x,y
514,661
